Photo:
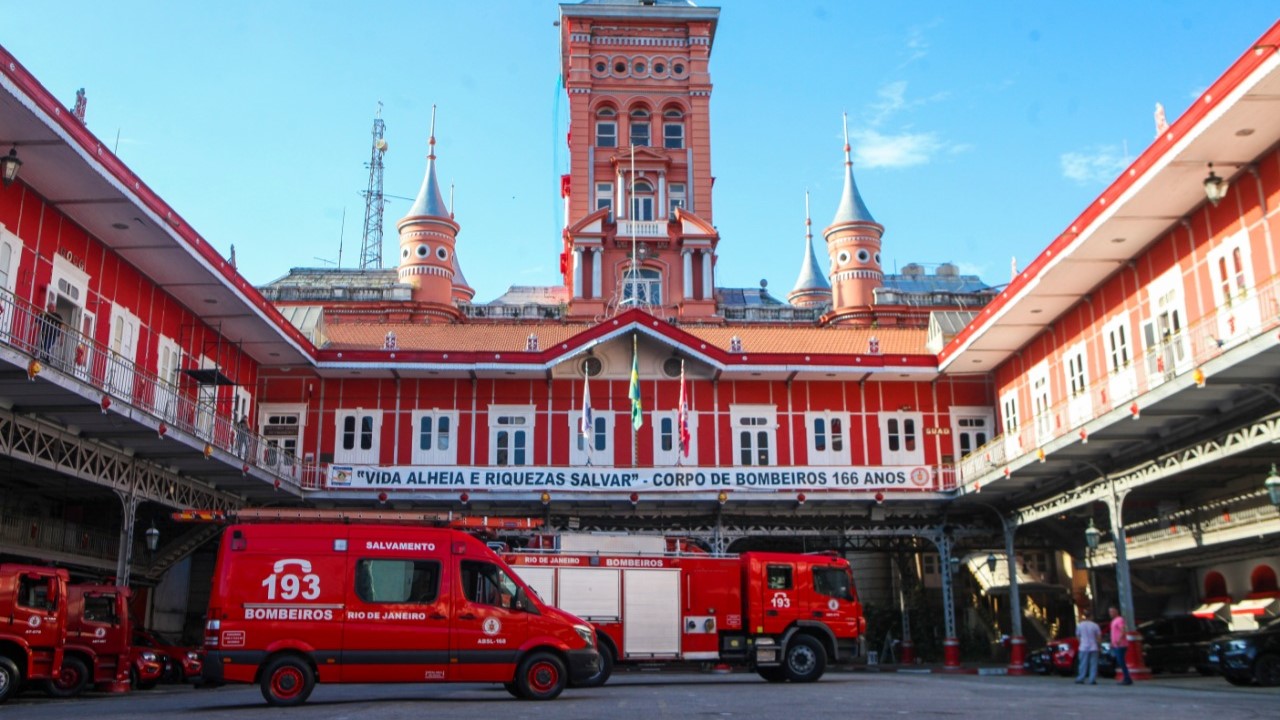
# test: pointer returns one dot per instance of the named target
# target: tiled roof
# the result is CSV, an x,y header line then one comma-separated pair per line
x,y
512,337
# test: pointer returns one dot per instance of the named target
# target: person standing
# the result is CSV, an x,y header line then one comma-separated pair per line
x,y
1087,652
1120,644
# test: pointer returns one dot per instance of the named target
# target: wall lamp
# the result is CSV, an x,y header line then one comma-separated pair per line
x,y
1093,534
153,538
1215,188
1273,486
9,165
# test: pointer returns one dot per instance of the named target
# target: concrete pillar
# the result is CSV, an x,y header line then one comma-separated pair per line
x,y
596,261
708,288
124,558
1124,586
687,257
577,272
1017,643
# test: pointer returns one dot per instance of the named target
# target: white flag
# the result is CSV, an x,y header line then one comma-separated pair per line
x,y
585,425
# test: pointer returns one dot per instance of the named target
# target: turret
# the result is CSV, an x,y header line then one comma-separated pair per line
x,y
812,288
428,238
853,245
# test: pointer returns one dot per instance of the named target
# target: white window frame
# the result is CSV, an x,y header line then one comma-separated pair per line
x,y
760,423
1075,368
357,454
517,436
642,205
1231,275
278,415
1042,401
671,456
601,439
604,196
434,455
901,438
1010,423
977,422
1165,333
1117,348
675,198
12,244
826,445
647,285
637,122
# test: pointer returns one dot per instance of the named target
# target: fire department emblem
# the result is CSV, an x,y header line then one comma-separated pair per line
x,y
833,605
34,621
100,632
492,626
920,476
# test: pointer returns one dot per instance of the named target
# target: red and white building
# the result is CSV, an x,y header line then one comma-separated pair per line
x,y
1135,359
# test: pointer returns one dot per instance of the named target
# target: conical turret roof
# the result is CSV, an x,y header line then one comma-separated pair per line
x,y
851,209
430,200
811,275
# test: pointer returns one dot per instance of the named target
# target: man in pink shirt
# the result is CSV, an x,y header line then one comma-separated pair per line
x,y
1120,644
1087,652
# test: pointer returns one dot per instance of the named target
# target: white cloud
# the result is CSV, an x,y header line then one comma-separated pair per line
x,y
1100,165
873,149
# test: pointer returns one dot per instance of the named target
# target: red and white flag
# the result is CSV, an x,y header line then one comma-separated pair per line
x,y
682,417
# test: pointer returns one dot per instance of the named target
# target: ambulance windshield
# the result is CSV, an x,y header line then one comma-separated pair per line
x,y
486,584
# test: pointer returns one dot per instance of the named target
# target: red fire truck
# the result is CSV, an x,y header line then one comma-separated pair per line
x,y
784,615
33,625
324,597
98,650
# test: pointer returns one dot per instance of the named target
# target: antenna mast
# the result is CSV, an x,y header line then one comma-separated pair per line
x,y
374,201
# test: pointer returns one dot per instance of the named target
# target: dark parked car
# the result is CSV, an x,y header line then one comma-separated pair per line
x,y
181,664
1245,658
1059,657
1179,643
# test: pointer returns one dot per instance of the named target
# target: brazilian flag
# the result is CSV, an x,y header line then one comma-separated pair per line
x,y
637,419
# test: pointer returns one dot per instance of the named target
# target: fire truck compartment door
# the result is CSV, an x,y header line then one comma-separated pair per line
x,y
651,613
590,593
542,580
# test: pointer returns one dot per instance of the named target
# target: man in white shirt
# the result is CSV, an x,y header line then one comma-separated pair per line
x,y
1087,652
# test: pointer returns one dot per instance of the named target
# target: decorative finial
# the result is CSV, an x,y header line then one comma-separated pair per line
x,y
431,142
450,199
847,159
808,223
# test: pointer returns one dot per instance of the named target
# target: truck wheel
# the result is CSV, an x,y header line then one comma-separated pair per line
x,y
540,677
805,660
772,674
287,681
10,679
606,669
70,680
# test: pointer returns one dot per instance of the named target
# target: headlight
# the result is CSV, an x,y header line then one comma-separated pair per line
x,y
148,656
587,634
1064,648
192,655
1238,644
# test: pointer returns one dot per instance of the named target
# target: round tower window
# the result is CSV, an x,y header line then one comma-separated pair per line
x,y
619,67
442,253
877,258
671,367
659,68
591,367
640,67
422,251
404,253
678,68
601,68
863,256
843,257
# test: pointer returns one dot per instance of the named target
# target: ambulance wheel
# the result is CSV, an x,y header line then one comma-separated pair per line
x,y
71,679
287,681
772,674
805,659
606,669
10,678
541,677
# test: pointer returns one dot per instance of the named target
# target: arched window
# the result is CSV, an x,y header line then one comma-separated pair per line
x,y
640,127
1263,580
673,129
641,286
606,128
641,201
1215,586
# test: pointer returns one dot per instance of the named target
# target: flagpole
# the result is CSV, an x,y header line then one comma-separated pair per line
x,y
635,432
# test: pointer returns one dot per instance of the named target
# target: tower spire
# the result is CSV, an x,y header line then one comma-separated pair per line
x,y
430,201
811,288
851,209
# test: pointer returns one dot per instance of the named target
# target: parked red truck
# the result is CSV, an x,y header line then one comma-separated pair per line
x,y
784,615
33,625
306,601
99,651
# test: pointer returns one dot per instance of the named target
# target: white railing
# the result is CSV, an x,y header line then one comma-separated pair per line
x,y
641,228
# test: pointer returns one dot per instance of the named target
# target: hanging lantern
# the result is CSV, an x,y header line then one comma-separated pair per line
x,y
277,484
800,499
465,498
1084,436
1198,376
208,450
545,498
106,403
1040,454
1135,411
382,497
879,498
162,430
244,469
33,369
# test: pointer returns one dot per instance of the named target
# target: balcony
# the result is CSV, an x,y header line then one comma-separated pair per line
x,y
1225,349
99,395
642,228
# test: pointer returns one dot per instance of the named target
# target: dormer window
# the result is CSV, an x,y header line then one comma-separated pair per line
x,y
640,127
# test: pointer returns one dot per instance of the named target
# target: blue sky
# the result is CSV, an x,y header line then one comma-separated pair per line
x,y
980,129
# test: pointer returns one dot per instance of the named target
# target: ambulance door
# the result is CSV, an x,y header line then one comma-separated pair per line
x,y
488,627
397,626
780,600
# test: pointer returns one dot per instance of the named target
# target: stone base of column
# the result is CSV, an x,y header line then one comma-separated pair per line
x,y
1017,656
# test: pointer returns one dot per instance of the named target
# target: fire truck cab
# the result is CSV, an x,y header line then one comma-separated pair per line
x,y
784,615
297,603
33,625
98,650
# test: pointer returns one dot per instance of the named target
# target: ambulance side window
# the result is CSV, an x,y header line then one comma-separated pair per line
x,y
779,577
486,584
397,581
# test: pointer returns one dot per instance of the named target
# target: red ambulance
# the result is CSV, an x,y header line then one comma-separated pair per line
x,y
784,615
295,603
